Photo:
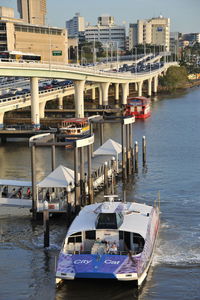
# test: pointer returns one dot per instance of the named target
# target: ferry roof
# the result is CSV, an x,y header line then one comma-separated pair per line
x,y
15,182
76,120
136,217
142,99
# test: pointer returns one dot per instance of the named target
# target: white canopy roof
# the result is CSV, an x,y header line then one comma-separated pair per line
x,y
110,147
60,177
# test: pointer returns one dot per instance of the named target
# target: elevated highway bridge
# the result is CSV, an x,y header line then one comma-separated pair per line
x,y
80,76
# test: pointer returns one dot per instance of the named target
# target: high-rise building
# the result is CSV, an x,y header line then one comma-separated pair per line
x,y
155,31
75,26
107,32
32,11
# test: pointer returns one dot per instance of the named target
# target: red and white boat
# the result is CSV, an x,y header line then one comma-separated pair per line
x,y
140,107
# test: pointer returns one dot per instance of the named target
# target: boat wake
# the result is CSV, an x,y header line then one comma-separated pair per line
x,y
177,250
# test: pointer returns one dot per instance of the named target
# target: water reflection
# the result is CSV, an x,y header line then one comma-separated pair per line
x,y
98,290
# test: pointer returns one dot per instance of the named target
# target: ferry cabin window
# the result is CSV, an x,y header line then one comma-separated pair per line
x,y
75,238
121,235
106,221
90,235
138,240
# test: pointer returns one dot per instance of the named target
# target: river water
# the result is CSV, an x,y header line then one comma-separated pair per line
x,y
173,143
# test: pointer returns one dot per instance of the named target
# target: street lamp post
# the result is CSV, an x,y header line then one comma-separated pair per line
x,y
107,53
94,51
135,57
117,53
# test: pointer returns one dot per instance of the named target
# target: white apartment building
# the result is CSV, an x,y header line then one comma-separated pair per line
x,y
75,26
107,33
155,31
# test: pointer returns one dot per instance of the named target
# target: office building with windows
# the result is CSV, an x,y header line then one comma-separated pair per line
x,y
107,33
32,11
16,35
155,31
76,26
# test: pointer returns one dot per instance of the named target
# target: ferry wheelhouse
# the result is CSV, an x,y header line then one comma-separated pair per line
x,y
140,107
110,240
75,128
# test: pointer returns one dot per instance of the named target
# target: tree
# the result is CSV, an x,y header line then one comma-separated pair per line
x,y
176,77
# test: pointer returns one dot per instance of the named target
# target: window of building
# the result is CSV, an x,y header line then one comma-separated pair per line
x,y
2,27
3,47
3,37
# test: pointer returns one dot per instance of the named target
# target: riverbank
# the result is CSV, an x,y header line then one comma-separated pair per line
x,y
188,85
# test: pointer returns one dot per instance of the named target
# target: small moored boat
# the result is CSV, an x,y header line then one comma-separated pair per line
x,y
75,128
110,240
140,107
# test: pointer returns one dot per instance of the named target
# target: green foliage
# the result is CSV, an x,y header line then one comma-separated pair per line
x,y
176,77
86,50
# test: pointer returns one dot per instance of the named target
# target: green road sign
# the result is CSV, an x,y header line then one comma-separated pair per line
x,y
57,53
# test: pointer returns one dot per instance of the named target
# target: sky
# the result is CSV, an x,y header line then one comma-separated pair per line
x,y
184,14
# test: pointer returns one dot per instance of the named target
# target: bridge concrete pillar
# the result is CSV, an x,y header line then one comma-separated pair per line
x,y
136,86
117,92
104,88
42,109
125,92
35,112
155,84
93,93
140,84
60,102
149,86
79,98
100,95
1,119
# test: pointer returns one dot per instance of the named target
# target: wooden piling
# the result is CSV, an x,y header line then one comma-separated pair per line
x,y
46,223
114,169
101,133
90,180
113,175
91,133
136,157
133,160
76,183
53,155
123,153
105,178
144,151
128,147
69,205
33,179
132,163
82,198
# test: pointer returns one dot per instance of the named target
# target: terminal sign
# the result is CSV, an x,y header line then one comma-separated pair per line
x,y
57,53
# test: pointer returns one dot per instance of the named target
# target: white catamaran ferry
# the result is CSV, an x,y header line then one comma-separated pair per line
x,y
110,240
